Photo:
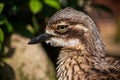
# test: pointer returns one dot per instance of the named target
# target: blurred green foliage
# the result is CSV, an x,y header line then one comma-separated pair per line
x,y
25,17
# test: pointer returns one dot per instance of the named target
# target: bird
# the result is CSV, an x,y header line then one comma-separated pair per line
x,y
82,55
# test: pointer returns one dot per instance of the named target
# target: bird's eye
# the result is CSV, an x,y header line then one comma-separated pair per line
x,y
62,28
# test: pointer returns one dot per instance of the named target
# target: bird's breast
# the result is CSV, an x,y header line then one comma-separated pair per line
x,y
79,68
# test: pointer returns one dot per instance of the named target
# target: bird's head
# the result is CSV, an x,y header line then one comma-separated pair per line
x,y
68,28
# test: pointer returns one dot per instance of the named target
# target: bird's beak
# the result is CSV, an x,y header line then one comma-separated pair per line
x,y
40,38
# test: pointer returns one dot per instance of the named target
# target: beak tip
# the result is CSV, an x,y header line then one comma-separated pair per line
x,y
29,43
33,41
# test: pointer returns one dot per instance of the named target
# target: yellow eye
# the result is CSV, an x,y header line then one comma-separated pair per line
x,y
62,28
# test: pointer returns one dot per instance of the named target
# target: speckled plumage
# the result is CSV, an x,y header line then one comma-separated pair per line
x,y
82,56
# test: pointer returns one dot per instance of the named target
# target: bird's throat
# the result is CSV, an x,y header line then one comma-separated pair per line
x,y
72,65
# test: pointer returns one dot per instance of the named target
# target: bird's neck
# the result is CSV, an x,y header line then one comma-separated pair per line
x,y
73,63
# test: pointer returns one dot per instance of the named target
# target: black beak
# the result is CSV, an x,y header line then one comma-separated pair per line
x,y
40,38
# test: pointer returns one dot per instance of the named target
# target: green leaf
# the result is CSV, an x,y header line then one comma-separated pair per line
x,y
53,3
35,23
30,29
1,7
9,26
35,27
1,35
35,6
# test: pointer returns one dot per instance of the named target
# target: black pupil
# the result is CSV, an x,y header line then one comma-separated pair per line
x,y
62,26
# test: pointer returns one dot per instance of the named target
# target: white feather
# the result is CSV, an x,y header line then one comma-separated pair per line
x,y
61,42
